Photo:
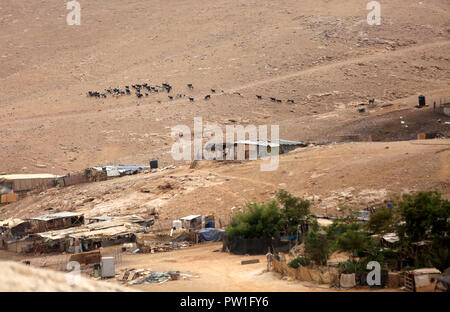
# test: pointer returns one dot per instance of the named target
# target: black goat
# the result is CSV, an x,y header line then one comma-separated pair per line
x,y
207,97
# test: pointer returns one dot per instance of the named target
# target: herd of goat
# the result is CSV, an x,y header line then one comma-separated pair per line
x,y
141,90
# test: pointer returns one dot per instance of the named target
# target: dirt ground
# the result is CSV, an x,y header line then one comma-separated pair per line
x,y
356,175
321,54
206,269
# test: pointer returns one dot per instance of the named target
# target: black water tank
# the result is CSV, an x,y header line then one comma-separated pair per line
x,y
421,100
153,164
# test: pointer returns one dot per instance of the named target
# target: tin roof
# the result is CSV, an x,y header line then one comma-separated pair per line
x,y
191,217
116,226
57,215
10,177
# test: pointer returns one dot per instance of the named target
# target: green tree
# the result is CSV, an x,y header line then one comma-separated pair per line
x,y
258,221
316,246
293,211
353,240
382,221
425,215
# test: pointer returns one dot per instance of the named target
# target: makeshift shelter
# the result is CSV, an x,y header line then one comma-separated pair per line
x,y
27,182
254,246
232,151
210,235
192,222
12,230
56,221
121,170
118,230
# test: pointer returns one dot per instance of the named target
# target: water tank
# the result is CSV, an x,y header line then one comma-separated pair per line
x,y
154,164
421,100
177,224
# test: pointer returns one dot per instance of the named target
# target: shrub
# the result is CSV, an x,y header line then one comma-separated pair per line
x,y
425,216
353,240
382,221
299,261
268,220
316,247
258,221
294,210
351,266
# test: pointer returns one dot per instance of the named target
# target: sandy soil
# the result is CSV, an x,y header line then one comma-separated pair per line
x,y
356,175
322,54
204,266
16,277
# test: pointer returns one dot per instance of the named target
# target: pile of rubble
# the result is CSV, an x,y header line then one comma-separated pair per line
x,y
143,276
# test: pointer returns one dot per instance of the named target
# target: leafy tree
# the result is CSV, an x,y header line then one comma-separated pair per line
x,y
353,240
258,221
316,246
293,211
382,221
425,215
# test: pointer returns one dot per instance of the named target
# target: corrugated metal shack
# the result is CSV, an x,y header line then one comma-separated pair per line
x,y
91,236
66,231
28,182
56,221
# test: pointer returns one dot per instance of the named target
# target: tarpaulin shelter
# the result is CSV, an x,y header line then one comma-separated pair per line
x,y
210,235
254,246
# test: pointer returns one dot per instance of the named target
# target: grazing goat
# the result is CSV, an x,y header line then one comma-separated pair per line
x,y
190,86
207,97
259,97
191,99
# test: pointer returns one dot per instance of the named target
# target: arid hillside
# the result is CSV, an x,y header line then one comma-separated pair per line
x,y
320,54
356,175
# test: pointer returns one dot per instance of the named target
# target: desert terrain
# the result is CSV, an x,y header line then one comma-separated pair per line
x,y
320,59
321,54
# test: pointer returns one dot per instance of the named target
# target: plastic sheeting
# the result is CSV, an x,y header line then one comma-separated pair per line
x,y
254,246
211,235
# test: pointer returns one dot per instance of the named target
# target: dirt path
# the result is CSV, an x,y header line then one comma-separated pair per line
x,y
212,270
351,61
